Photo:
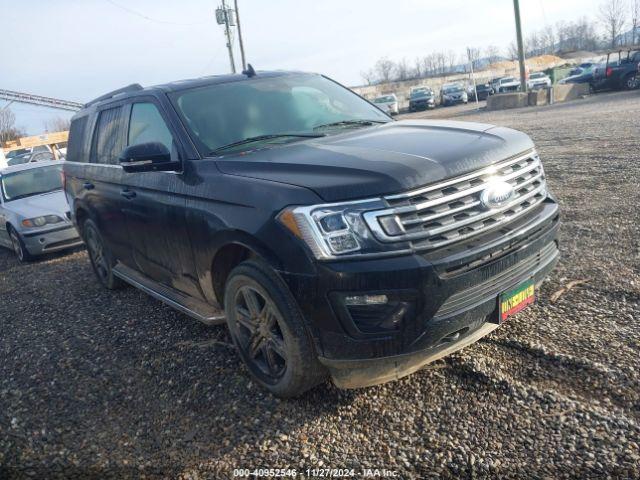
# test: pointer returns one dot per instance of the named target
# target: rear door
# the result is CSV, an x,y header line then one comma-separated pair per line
x,y
156,203
96,184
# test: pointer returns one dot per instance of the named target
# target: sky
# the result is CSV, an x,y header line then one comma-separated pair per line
x,y
79,49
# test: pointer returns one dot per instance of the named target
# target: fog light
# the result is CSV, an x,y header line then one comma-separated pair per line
x,y
352,300
343,243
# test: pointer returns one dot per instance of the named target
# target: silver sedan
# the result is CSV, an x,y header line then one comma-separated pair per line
x,y
33,210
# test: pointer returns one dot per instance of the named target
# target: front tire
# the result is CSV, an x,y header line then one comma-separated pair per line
x,y
19,248
268,331
102,260
630,82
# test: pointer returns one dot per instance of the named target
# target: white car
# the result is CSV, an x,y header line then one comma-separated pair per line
x,y
34,214
538,80
388,103
508,84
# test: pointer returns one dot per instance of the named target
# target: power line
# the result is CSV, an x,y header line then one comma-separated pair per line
x,y
142,15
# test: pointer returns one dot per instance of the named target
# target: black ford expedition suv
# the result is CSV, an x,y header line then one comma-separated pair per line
x,y
338,241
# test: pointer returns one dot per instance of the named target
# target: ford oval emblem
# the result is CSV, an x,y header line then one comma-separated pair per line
x,y
496,194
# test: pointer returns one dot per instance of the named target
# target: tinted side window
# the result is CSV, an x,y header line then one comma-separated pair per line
x,y
108,138
75,148
147,125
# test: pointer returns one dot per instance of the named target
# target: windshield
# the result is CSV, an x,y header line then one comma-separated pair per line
x,y
508,80
420,92
15,153
31,182
219,115
536,75
385,99
452,89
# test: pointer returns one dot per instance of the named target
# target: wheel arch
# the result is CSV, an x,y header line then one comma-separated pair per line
x,y
231,249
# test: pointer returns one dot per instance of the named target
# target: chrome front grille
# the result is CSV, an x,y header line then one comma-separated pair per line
x,y
450,211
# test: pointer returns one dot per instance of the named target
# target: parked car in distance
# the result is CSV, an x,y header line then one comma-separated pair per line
x,y
508,84
495,83
338,241
421,98
34,215
34,156
388,103
538,80
483,89
453,93
582,68
620,71
580,76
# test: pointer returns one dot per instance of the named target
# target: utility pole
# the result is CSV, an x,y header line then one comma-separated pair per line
x,y
244,62
523,76
473,78
226,20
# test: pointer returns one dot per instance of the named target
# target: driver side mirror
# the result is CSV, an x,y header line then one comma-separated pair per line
x,y
148,157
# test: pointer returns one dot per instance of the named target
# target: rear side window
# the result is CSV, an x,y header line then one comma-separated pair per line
x,y
147,125
108,137
77,131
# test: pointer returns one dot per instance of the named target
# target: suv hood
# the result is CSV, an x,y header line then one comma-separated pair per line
x,y
381,160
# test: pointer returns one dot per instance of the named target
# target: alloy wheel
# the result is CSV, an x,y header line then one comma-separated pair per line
x,y
96,252
259,333
17,246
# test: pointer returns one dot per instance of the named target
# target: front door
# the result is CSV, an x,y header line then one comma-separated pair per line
x,y
155,208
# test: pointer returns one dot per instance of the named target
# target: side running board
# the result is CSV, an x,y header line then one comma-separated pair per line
x,y
194,308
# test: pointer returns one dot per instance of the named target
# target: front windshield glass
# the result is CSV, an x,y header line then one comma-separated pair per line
x,y
508,80
385,99
537,75
31,182
420,92
15,153
452,89
222,114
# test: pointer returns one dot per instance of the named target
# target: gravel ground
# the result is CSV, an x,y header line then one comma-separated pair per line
x,y
102,384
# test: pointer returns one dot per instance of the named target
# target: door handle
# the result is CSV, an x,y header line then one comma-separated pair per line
x,y
129,194
88,186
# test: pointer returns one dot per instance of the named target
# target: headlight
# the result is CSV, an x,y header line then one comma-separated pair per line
x,y
41,221
337,230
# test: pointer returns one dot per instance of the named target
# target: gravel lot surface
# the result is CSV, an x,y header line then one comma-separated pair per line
x,y
115,384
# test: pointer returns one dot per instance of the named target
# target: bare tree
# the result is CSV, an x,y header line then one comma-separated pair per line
x,y
57,124
402,70
8,129
384,69
635,21
548,39
612,17
473,57
492,53
512,51
368,76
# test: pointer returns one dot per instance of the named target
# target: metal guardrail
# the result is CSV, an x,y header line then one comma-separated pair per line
x,y
12,96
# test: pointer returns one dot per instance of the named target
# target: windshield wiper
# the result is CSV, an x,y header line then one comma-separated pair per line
x,y
260,138
348,123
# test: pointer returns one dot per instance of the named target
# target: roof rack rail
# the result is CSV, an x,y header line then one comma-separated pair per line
x,y
134,87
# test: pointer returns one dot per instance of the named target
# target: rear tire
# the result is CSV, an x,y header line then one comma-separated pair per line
x,y
102,261
268,331
19,248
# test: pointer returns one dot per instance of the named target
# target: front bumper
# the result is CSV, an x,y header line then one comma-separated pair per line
x,y
452,298
51,239
422,104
